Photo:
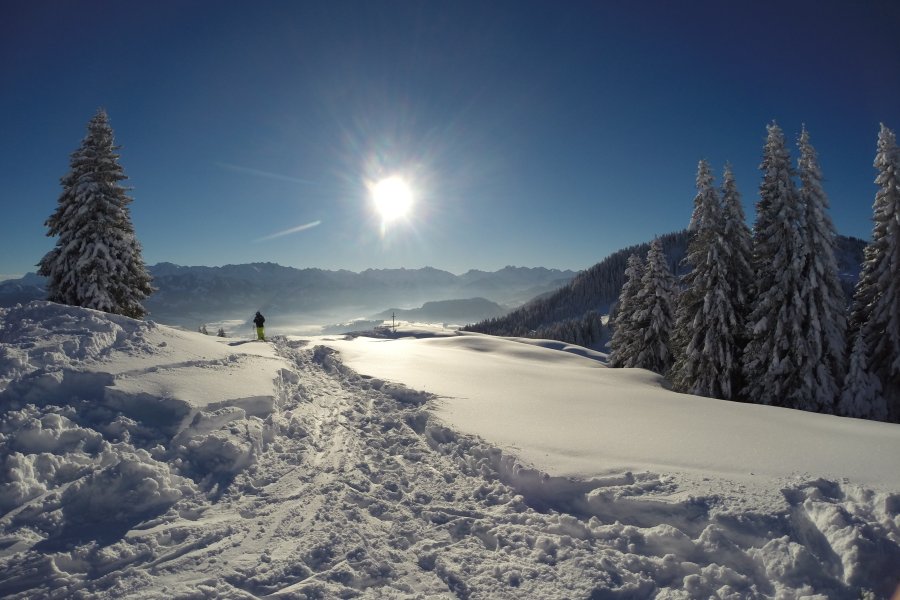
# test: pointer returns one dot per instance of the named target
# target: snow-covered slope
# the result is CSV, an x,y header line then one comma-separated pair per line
x,y
144,462
520,396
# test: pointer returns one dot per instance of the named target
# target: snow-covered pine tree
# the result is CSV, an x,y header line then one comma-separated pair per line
x,y
96,262
704,186
826,323
861,396
739,243
655,313
623,344
876,303
776,354
738,239
707,358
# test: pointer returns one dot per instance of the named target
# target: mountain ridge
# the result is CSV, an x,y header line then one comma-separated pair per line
x,y
190,295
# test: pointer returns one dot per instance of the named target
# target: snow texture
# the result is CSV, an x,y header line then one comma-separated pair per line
x,y
423,464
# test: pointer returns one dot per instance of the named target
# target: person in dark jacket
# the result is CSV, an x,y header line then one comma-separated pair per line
x,y
259,320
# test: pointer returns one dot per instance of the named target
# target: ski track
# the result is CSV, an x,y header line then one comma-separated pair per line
x,y
359,492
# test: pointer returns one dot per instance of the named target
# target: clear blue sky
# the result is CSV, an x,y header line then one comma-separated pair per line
x,y
534,133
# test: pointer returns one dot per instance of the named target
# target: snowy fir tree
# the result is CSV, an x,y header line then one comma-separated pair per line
x,y
861,397
822,294
623,345
777,357
704,187
876,303
655,313
737,237
96,262
707,356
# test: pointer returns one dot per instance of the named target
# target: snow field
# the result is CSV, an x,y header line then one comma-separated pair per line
x,y
354,486
520,396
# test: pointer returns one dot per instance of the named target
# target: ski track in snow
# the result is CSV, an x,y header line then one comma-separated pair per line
x,y
351,488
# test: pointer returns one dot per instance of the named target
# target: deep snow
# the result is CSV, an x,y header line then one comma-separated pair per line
x,y
143,461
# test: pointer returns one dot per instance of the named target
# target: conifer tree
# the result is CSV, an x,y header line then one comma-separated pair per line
x,y
737,237
739,245
861,396
707,358
777,348
654,316
96,262
623,344
821,293
704,186
876,303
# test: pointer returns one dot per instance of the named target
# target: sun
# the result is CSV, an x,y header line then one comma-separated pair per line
x,y
393,198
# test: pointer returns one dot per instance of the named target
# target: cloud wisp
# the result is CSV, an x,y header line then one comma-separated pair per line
x,y
266,174
297,229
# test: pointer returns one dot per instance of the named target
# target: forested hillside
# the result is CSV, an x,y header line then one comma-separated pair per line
x,y
572,313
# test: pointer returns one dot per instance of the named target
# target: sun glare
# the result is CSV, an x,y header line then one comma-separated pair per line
x,y
393,198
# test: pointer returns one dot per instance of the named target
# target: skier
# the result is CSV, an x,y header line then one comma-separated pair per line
x,y
259,320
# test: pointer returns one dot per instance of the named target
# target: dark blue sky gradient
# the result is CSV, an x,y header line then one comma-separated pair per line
x,y
535,133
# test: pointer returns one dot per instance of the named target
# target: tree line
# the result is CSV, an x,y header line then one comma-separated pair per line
x,y
761,316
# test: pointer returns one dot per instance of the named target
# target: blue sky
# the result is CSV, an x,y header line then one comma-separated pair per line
x,y
533,133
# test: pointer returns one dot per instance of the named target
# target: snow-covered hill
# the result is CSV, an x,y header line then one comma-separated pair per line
x,y
145,462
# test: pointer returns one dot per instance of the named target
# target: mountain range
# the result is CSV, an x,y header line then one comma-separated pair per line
x,y
513,301
193,295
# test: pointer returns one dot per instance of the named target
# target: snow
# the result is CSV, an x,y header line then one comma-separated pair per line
x,y
140,461
521,397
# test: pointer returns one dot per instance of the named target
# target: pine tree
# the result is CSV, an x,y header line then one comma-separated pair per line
x,y
654,314
704,187
777,348
221,332
623,345
822,292
739,241
707,358
96,262
739,245
861,397
876,303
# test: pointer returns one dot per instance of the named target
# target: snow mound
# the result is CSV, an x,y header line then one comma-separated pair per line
x,y
218,445
108,421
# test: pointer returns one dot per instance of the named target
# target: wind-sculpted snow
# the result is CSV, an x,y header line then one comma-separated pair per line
x,y
350,486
